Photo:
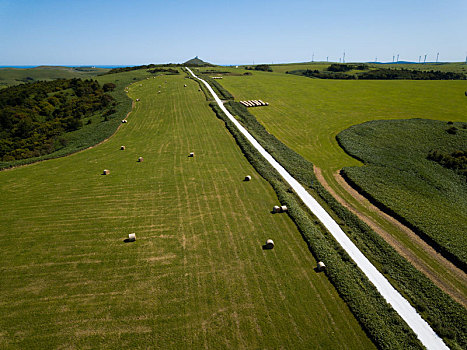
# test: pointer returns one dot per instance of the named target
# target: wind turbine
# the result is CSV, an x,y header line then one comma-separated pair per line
x,y
437,55
393,58
397,58
424,60
419,59
343,58
313,57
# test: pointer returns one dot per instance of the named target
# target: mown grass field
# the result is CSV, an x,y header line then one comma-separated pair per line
x,y
196,277
397,174
307,114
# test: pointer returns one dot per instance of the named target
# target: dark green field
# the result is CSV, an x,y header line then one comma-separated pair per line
x,y
419,191
196,277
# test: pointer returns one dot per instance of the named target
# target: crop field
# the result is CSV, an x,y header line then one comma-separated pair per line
x,y
307,114
397,173
196,277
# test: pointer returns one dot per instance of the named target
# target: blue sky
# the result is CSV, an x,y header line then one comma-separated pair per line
x,y
82,32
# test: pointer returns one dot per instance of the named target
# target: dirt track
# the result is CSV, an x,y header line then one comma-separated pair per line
x,y
403,250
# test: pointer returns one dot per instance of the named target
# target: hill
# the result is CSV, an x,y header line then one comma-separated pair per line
x,y
16,76
197,62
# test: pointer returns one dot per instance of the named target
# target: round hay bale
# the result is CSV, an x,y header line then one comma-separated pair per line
x,y
276,209
192,154
247,178
283,208
140,159
131,237
122,148
321,266
106,172
184,85
270,244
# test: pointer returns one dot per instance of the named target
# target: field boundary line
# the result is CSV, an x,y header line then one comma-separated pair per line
x,y
408,313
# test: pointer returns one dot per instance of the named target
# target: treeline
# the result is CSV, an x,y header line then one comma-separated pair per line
x,y
456,160
408,74
164,70
326,74
128,69
339,71
335,67
261,67
34,116
156,66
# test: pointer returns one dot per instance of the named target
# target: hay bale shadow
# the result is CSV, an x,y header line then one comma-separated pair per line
x,y
268,246
127,240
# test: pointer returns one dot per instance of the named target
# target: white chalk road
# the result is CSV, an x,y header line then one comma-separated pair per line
x,y
421,328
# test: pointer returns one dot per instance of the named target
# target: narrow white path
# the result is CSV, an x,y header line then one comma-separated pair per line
x,y
421,328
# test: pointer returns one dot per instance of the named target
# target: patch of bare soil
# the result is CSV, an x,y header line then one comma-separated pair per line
x,y
407,253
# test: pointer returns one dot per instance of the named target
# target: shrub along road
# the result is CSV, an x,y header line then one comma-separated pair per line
x,y
424,332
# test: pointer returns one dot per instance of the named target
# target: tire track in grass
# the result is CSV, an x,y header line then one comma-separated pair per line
x,y
195,171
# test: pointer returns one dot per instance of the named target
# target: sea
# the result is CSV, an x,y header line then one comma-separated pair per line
x,y
71,66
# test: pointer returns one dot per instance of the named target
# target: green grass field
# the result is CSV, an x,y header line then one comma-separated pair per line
x,y
196,277
398,175
15,76
457,67
307,114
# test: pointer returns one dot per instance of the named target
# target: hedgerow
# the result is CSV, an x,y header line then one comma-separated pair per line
x,y
218,88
